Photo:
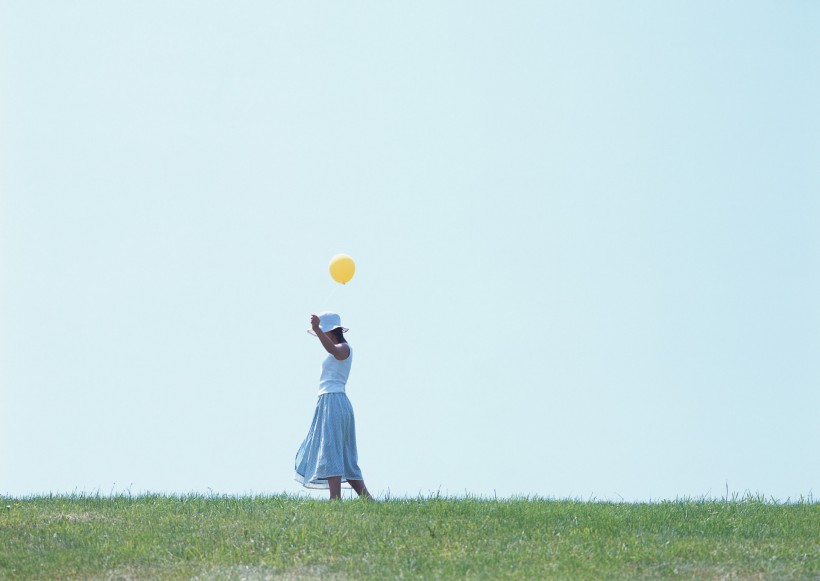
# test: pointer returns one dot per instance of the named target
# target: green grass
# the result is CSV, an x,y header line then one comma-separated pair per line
x,y
284,537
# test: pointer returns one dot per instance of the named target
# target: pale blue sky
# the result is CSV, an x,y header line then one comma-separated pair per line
x,y
587,237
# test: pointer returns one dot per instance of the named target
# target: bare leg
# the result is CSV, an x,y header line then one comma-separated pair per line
x,y
335,485
360,488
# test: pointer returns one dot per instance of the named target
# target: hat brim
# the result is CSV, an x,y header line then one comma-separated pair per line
x,y
344,330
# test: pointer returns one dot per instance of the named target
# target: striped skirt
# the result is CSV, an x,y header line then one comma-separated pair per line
x,y
330,446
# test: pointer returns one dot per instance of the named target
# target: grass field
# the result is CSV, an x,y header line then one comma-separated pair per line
x,y
284,537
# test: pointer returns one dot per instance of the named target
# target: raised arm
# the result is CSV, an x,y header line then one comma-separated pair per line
x,y
339,350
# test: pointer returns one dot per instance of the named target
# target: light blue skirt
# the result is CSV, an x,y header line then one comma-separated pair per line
x,y
330,446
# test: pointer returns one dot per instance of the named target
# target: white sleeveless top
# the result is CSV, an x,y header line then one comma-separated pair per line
x,y
335,373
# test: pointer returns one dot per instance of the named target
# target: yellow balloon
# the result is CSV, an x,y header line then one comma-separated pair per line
x,y
342,268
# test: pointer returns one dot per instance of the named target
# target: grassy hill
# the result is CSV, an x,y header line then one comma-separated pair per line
x,y
285,537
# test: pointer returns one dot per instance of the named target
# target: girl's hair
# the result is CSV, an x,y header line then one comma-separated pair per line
x,y
337,335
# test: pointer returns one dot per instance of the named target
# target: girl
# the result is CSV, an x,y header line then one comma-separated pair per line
x,y
328,455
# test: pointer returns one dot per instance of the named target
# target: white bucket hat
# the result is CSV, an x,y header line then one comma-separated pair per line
x,y
328,322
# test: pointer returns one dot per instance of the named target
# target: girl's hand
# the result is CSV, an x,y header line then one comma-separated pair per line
x,y
314,323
